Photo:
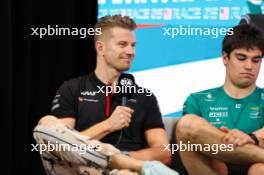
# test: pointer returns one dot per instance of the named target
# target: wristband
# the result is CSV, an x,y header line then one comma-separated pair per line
x,y
253,136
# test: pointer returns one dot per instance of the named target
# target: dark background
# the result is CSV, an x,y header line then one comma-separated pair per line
x,y
32,69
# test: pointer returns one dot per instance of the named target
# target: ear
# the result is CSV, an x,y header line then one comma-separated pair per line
x,y
225,58
99,46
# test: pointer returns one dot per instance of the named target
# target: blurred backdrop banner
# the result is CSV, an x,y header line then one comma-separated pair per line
x,y
179,44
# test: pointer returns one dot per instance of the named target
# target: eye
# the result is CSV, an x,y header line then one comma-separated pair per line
x,y
133,45
122,44
241,58
256,60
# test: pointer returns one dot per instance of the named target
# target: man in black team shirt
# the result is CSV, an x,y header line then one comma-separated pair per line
x,y
81,103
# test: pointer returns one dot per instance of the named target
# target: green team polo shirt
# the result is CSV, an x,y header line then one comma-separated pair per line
x,y
219,109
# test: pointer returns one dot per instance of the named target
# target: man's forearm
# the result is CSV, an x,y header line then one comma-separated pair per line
x,y
245,154
204,133
154,153
97,131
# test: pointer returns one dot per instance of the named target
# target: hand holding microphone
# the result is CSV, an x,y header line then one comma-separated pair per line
x,y
121,117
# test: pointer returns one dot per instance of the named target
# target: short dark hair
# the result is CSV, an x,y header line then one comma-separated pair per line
x,y
107,22
244,36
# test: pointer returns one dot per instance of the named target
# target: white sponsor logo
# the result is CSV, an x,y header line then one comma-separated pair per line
x,y
90,93
218,114
218,123
55,106
81,99
55,100
58,95
209,97
255,115
212,108
238,105
92,100
132,100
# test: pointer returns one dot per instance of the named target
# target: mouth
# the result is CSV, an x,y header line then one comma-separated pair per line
x,y
247,74
126,59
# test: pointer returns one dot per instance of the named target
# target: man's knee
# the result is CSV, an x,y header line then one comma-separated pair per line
x,y
256,169
188,125
47,120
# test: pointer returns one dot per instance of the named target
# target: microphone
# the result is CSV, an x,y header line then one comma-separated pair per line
x,y
126,82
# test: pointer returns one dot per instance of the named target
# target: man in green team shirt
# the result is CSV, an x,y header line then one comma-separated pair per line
x,y
230,114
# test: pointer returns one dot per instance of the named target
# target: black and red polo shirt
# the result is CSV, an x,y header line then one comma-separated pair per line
x,y
81,98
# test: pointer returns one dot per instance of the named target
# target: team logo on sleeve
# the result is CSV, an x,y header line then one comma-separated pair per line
x,y
55,102
55,107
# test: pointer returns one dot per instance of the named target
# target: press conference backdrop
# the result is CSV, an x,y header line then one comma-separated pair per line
x,y
179,44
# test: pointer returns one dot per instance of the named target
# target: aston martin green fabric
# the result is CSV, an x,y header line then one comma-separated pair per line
x,y
218,108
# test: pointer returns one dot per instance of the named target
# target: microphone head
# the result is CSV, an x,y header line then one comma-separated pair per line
x,y
126,82
126,79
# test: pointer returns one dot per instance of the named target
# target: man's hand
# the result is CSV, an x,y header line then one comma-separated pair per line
x,y
120,118
260,135
236,137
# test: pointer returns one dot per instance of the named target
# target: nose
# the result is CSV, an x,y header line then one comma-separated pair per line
x,y
248,64
130,50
